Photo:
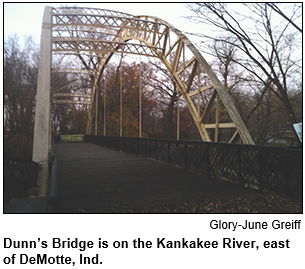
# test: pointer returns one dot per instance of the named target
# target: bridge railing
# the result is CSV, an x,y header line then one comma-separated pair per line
x,y
73,137
19,176
260,167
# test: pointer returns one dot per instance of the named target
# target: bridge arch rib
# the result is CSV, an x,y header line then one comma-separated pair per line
x,y
99,33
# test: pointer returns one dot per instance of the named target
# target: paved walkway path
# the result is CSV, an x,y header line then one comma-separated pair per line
x,y
91,177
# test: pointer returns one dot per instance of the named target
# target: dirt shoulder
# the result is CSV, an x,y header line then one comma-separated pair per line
x,y
261,202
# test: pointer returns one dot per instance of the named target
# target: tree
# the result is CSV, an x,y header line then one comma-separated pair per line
x,y
165,92
267,51
130,83
20,71
298,12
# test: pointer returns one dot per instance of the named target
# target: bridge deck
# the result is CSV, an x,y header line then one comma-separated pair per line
x,y
91,178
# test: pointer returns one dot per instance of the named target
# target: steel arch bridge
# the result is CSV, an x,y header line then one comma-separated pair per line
x,y
100,33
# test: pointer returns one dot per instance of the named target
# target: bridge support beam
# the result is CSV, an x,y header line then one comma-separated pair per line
x,y
42,128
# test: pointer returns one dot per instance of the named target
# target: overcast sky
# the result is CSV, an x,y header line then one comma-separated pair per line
x,y
26,18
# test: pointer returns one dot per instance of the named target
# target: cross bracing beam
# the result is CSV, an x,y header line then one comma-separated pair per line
x,y
72,95
79,45
220,125
105,21
71,102
72,70
76,98
204,88
92,29
89,10
100,33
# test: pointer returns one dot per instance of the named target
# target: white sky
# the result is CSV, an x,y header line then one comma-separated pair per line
x,y
26,18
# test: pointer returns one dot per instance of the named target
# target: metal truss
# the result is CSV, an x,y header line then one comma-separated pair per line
x,y
70,70
100,33
75,98
92,47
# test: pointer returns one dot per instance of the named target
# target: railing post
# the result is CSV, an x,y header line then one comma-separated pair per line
x,y
239,177
196,156
52,199
169,152
156,150
207,161
185,155
139,146
286,168
260,170
145,148
130,145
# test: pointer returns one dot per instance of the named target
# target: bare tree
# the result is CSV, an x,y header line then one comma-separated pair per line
x,y
166,95
266,44
20,71
297,13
